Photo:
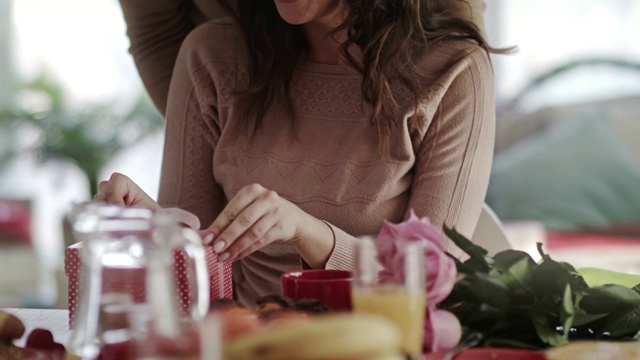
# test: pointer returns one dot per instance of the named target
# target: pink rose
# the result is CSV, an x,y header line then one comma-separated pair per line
x,y
413,229
440,269
440,272
442,329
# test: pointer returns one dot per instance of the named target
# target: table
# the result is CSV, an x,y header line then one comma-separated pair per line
x,y
54,320
57,321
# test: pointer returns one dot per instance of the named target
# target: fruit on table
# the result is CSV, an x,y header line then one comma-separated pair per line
x,y
312,306
10,327
237,321
9,351
600,350
344,336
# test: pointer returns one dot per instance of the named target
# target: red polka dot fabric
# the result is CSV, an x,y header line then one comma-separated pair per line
x,y
132,280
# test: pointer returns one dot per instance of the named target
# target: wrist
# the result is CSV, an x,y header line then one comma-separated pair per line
x,y
315,242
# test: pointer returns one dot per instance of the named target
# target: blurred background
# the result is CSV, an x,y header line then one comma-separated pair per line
x,y
73,110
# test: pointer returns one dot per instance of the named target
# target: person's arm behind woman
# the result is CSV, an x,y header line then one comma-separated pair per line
x,y
156,29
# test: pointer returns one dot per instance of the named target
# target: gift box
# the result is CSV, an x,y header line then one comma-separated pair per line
x,y
132,280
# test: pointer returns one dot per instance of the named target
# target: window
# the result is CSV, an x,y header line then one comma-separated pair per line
x,y
549,33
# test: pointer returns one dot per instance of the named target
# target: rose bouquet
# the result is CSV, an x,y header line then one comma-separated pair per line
x,y
507,300
515,301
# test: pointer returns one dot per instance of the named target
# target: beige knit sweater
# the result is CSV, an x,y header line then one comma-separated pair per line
x,y
439,162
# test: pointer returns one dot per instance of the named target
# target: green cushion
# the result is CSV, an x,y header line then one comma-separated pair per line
x,y
574,173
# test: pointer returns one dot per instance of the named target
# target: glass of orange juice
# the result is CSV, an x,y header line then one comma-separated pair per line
x,y
397,294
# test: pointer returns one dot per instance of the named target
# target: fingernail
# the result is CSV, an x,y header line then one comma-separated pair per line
x,y
223,256
208,239
217,247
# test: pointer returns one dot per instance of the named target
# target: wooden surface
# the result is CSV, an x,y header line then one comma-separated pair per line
x,y
54,320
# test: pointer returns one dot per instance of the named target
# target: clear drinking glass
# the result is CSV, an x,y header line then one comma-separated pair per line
x,y
133,262
398,294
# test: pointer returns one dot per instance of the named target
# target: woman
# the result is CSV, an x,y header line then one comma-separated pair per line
x,y
330,118
157,28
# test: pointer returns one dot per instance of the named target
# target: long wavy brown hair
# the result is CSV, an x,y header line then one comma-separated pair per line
x,y
389,33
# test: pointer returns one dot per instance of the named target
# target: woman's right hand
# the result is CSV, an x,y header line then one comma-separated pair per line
x,y
121,190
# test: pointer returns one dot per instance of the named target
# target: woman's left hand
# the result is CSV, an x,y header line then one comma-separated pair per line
x,y
256,217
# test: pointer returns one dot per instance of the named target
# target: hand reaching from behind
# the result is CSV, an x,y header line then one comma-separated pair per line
x,y
121,190
256,217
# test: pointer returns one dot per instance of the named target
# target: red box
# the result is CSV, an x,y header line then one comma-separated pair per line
x,y
132,280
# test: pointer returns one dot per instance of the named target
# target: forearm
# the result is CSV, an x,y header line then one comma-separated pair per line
x,y
315,244
328,247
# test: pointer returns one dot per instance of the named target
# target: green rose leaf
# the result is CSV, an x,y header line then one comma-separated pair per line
x,y
510,343
623,325
546,331
551,277
515,302
607,298
567,312
514,268
478,255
